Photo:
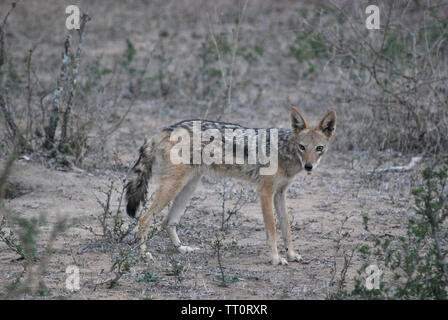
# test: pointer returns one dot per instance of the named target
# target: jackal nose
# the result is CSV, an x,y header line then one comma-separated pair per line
x,y
308,167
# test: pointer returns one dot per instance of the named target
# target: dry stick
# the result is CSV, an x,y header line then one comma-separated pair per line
x,y
74,83
2,34
54,114
223,77
3,104
4,175
386,28
228,84
408,167
11,123
347,259
218,246
218,52
29,118
235,48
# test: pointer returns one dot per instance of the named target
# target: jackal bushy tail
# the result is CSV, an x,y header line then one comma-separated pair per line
x,y
138,182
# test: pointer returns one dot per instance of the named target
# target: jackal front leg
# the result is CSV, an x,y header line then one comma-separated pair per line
x,y
285,225
266,195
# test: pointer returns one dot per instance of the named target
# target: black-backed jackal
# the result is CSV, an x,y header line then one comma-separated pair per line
x,y
176,153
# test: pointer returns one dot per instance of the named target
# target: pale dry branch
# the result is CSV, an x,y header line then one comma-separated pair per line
x,y
407,167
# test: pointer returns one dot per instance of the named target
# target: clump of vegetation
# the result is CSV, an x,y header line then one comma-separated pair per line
x,y
20,235
413,266
398,71
122,264
85,102
112,219
149,277
117,233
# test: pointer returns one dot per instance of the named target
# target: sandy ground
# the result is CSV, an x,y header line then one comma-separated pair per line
x,y
264,91
317,204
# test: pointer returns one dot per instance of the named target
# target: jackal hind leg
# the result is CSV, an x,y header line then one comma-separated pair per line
x,y
173,178
177,210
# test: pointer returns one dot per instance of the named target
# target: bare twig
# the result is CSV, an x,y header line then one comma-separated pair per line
x,y
228,79
16,134
50,130
235,49
2,34
407,167
73,82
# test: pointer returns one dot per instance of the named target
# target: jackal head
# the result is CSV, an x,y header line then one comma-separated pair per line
x,y
311,144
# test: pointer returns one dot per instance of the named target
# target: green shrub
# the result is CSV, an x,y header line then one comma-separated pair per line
x,y
415,262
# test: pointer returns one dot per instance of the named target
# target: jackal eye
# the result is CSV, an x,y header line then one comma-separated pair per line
x,y
319,148
302,147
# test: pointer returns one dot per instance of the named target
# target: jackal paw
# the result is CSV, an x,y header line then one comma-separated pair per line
x,y
294,256
146,256
279,261
142,251
186,249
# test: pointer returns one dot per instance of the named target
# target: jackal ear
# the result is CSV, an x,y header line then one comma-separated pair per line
x,y
328,124
298,122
